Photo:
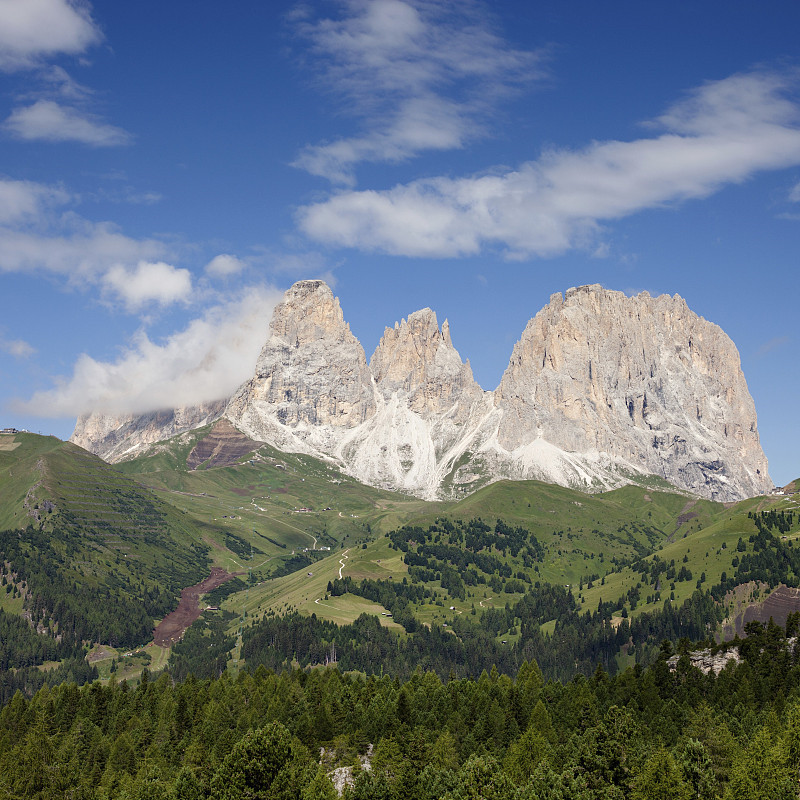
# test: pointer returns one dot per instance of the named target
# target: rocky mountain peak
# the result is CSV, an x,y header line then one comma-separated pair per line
x,y
418,359
600,387
309,312
643,380
312,372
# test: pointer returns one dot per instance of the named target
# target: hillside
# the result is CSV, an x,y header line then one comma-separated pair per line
x,y
517,569
89,555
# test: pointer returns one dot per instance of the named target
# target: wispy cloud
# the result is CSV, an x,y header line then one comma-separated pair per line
x,y
224,266
49,121
40,235
724,132
207,360
31,30
26,200
81,253
418,74
773,344
16,347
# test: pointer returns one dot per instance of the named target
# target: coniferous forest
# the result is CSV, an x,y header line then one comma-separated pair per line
x,y
667,731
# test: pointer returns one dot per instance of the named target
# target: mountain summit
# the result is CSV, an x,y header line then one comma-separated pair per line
x,y
600,388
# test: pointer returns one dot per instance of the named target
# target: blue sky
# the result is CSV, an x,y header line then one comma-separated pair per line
x,y
168,169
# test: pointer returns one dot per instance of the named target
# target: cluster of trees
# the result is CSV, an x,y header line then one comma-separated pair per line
x,y
392,595
76,590
79,610
767,520
644,733
578,642
278,642
20,646
205,649
467,553
464,542
772,561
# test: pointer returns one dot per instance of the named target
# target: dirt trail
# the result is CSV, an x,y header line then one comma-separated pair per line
x,y
174,625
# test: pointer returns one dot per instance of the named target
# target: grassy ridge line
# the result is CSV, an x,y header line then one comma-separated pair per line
x,y
299,591
19,472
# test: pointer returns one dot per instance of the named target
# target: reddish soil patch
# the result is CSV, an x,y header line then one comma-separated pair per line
x,y
782,602
222,447
242,492
174,625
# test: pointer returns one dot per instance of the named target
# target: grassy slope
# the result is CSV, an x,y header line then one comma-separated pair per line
x,y
581,535
709,545
122,536
260,502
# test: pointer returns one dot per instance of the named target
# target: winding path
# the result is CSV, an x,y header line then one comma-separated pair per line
x,y
341,562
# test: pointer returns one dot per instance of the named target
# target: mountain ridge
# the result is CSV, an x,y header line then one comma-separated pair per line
x,y
600,389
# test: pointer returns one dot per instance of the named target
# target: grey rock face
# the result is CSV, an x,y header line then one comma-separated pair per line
x,y
311,378
600,387
120,437
418,360
642,381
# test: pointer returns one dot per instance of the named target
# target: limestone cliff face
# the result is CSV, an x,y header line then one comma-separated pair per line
x,y
429,409
120,437
418,359
600,388
638,383
311,378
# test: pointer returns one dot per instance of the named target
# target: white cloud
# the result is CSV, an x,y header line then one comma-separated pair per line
x,y
48,121
82,253
724,132
38,236
794,194
16,347
24,200
224,265
208,360
33,29
420,74
148,282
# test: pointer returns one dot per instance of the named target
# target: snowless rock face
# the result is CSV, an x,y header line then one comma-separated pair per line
x,y
120,437
639,383
600,387
418,360
311,380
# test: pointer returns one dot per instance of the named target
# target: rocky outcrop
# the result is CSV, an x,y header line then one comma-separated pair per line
x,y
396,425
417,360
429,409
636,384
224,446
312,382
707,661
600,388
121,437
